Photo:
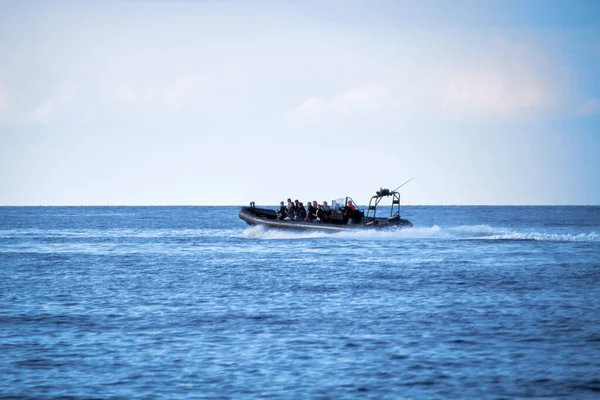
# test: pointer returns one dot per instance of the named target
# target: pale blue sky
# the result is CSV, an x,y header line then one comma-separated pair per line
x,y
223,102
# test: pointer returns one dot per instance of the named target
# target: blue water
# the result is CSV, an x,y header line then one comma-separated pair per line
x,y
189,302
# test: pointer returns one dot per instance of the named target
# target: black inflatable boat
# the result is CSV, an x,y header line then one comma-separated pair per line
x,y
339,218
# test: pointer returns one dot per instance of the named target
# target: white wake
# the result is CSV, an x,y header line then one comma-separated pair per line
x,y
465,232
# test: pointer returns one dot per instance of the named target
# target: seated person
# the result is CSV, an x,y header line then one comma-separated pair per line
x,y
320,214
310,212
282,213
300,212
350,206
348,210
290,211
326,211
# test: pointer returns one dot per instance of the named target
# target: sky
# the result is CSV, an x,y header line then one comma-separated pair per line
x,y
226,102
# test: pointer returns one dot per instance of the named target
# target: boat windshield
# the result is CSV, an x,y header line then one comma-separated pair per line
x,y
338,204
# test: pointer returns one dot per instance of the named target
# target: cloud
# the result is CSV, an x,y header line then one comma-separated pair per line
x,y
589,107
18,110
3,100
31,93
175,93
43,112
505,81
502,81
314,105
368,97
491,92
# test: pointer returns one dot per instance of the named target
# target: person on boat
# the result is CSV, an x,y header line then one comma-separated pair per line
x,y
300,212
326,212
320,214
348,210
282,213
310,212
290,211
350,206
315,206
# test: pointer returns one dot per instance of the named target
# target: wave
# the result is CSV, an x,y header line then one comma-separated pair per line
x,y
115,233
549,237
464,232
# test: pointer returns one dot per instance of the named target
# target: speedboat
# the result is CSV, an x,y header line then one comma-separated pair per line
x,y
344,215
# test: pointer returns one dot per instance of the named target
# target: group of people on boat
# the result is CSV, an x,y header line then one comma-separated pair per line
x,y
314,212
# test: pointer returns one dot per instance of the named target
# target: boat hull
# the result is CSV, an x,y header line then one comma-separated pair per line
x,y
268,218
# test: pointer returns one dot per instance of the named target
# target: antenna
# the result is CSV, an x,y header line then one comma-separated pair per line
x,y
403,184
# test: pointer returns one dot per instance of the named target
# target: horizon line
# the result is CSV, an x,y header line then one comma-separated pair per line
x,y
275,205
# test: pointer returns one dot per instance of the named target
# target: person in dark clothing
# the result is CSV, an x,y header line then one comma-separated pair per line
x,y
300,212
320,213
291,210
310,212
326,212
282,213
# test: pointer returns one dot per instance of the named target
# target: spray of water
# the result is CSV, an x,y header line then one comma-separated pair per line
x,y
470,232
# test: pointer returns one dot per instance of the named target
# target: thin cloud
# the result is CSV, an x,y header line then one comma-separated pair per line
x,y
589,108
502,81
3,100
366,97
48,107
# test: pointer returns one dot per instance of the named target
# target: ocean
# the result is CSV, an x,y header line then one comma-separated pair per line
x,y
189,302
